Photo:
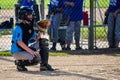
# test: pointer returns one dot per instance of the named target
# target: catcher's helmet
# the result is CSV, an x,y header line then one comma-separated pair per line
x,y
24,11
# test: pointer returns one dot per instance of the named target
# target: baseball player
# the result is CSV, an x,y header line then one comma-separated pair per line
x,y
25,54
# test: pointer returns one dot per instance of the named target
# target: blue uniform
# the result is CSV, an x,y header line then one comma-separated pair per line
x,y
17,35
114,5
30,4
54,5
75,12
113,24
76,15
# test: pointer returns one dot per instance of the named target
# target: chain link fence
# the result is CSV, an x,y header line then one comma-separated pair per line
x,y
100,30
7,11
8,18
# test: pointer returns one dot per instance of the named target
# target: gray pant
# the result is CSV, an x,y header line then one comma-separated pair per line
x,y
23,55
74,27
57,20
113,28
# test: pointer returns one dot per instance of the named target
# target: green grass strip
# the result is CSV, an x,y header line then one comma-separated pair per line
x,y
7,53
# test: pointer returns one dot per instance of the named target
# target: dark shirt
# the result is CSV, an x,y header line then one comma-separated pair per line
x,y
76,12
114,5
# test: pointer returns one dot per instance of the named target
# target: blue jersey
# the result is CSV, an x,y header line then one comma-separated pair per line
x,y
30,4
56,4
76,12
17,35
114,5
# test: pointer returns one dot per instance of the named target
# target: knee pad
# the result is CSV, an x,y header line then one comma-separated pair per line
x,y
43,43
35,60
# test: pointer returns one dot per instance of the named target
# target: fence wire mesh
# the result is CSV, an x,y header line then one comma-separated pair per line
x,y
7,11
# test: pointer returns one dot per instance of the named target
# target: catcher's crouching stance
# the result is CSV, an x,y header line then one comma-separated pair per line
x,y
24,54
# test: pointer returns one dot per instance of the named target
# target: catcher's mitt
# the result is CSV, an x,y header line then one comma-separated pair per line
x,y
42,25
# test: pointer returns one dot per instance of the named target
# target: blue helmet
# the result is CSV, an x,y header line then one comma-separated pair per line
x,y
24,11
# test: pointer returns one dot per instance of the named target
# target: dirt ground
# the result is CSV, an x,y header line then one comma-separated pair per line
x,y
80,66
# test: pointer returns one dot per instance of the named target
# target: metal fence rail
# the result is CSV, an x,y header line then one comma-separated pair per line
x,y
99,30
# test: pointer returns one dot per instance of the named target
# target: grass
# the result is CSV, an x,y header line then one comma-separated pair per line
x,y
99,32
7,53
101,3
9,4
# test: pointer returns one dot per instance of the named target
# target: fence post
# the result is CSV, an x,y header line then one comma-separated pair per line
x,y
91,30
42,9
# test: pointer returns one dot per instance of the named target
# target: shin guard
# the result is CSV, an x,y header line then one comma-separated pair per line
x,y
44,53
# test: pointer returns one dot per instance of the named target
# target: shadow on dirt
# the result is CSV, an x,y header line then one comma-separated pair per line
x,y
6,59
63,73
105,51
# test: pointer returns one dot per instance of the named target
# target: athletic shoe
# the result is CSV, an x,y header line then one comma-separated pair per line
x,y
21,68
46,67
68,48
78,48
53,49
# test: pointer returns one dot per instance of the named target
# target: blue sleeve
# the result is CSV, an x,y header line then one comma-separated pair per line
x,y
34,35
25,3
50,8
64,0
61,4
78,4
118,4
17,34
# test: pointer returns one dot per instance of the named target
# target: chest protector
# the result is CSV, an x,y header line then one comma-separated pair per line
x,y
27,32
